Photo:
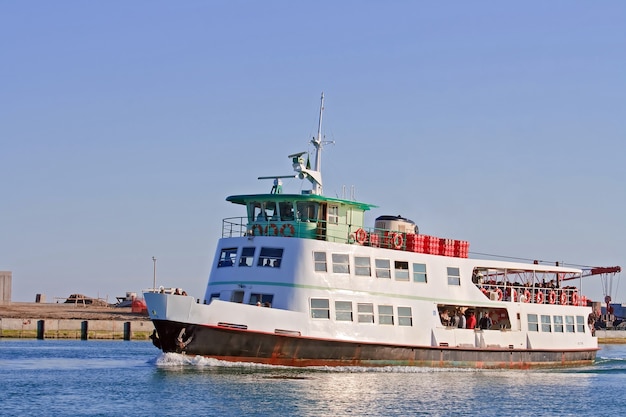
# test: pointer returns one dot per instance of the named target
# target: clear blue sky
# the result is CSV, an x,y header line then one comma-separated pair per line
x,y
124,126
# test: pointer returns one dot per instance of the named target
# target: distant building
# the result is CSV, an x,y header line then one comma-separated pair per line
x,y
5,287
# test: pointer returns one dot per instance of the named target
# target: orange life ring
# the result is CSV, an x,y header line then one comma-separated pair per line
x,y
499,292
360,236
484,291
552,297
527,296
539,297
397,240
575,298
563,298
287,227
259,230
274,229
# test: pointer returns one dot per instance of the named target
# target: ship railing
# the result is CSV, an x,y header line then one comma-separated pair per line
x,y
240,226
320,230
501,291
410,242
234,227
345,233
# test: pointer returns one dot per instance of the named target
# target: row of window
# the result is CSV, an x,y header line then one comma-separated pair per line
x,y
263,211
238,297
382,268
556,324
343,311
271,257
340,264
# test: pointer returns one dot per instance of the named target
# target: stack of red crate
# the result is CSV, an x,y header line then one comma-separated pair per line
x,y
415,243
446,247
449,247
423,244
431,245
461,248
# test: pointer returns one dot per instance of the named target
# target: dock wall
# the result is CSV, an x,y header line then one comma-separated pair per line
x,y
611,336
75,329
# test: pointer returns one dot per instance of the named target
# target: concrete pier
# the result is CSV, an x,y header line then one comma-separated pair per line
x,y
75,329
68,321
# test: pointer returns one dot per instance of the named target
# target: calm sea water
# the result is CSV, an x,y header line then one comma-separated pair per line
x,y
104,378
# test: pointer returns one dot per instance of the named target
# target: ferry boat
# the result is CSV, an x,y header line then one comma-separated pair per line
x,y
300,280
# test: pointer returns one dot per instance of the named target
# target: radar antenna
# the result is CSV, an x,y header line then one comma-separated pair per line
x,y
302,167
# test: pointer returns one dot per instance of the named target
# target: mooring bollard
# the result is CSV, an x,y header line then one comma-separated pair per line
x,y
41,329
127,332
84,330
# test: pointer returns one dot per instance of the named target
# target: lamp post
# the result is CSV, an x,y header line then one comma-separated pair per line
x,y
154,274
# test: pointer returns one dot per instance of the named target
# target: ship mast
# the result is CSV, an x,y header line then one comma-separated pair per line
x,y
317,142
303,171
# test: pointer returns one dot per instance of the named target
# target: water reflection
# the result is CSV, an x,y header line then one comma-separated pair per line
x,y
400,390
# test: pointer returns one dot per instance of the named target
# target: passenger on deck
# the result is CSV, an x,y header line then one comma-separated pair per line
x,y
454,320
485,321
461,321
471,320
445,318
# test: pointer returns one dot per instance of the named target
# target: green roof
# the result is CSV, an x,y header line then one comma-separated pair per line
x,y
244,199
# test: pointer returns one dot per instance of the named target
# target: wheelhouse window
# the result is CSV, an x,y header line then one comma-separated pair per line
x,y
307,211
401,270
558,324
262,211
319,258
533,323
333,214
366,312
546,324
286,211
227,257
255,212
341,263
385,315
362,266
454,276
271,257
270,211
214,296
419,273
264,300
320,308
247,257
569,324
343,310
580,324
383,268
405,317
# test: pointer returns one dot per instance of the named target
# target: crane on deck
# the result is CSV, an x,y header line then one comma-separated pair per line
x,y
607,273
